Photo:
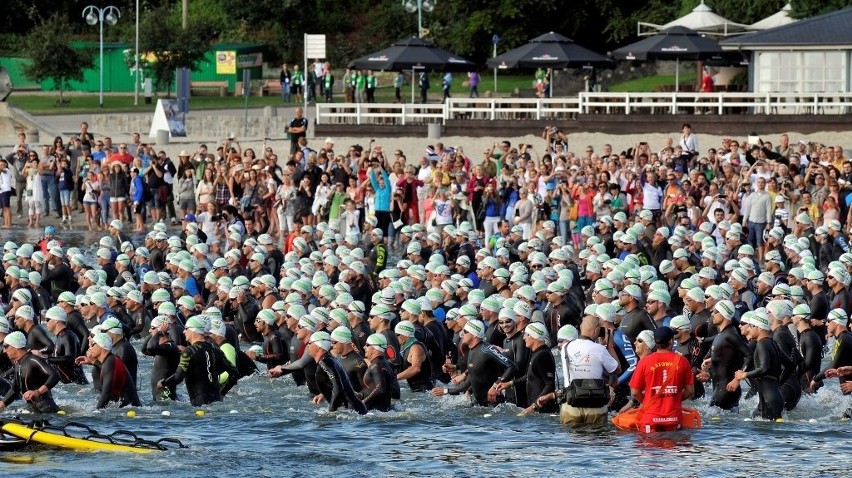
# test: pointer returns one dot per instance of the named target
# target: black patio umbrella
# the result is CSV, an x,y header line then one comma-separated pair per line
x,y
413,53
676,43
550,50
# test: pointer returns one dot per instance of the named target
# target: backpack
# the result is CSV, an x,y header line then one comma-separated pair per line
x,y
147,194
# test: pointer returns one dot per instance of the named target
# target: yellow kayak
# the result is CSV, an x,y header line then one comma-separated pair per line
x,y
62,441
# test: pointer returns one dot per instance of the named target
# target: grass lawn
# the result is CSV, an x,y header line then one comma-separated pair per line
x,y
46,103
650,83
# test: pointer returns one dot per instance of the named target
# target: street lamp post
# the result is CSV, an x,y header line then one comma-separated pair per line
x,y
419,6
93,16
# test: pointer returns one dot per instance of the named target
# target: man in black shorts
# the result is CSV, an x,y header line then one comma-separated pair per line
x,y
298,129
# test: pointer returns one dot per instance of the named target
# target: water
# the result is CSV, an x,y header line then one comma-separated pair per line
x,y
277,431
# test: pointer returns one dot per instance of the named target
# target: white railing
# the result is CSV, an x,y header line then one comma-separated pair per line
x,y
512,108
380,113
585,103
718,103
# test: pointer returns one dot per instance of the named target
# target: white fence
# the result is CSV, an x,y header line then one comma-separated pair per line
x,y
585,103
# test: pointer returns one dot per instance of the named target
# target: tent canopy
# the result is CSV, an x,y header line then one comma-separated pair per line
x,y
412,53
702,19
777,19
550,50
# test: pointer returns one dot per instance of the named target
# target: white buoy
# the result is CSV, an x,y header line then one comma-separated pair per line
x,y
233,411
166,413
487,415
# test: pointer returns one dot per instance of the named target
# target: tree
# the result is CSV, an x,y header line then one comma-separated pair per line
x,y
170,46
812,8
52,58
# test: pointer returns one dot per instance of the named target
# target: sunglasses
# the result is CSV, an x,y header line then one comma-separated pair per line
x,y
505,322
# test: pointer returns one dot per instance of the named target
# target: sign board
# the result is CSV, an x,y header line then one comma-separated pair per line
x,y
183,89
315,47
249,60
167,116
226,63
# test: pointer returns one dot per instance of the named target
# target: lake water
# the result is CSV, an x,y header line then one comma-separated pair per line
x,y
269,428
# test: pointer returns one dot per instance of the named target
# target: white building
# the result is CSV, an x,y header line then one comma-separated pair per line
x,y
808,56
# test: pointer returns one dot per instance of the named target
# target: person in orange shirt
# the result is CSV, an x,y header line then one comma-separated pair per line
x,y
661,381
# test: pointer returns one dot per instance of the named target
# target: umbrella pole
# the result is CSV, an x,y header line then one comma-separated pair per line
x,y
412,86
677,74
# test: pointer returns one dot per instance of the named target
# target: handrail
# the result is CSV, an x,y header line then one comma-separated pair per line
x,y
683,102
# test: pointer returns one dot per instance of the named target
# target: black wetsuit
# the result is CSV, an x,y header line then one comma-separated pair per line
x,y
493,335
166,360
274,350
393,354
380,385
355,367
810,346
140,321
727,355
127,353
31,372
485,366
694,351
435,336
360,332
422,381
296,349
540,378
515,350
791,389
77,324
65,351
333,383
635,322
841,356
37,339
766,376
305,364
201,364
117,385
819,311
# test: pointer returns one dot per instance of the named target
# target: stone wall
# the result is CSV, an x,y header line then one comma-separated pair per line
x,y
198,126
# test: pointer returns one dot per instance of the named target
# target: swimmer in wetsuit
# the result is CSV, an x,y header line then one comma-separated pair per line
x,y
158,344
810,346
274,348
352,361
33,377
779,314
540,379
332,380
300,365
37,339
728,354
766,368
415,366
117,384
201,364
121,347
487,368
841,353
66,349
380,383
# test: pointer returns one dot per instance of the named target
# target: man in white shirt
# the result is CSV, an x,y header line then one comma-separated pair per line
x,y
757,216
587,359
652,195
